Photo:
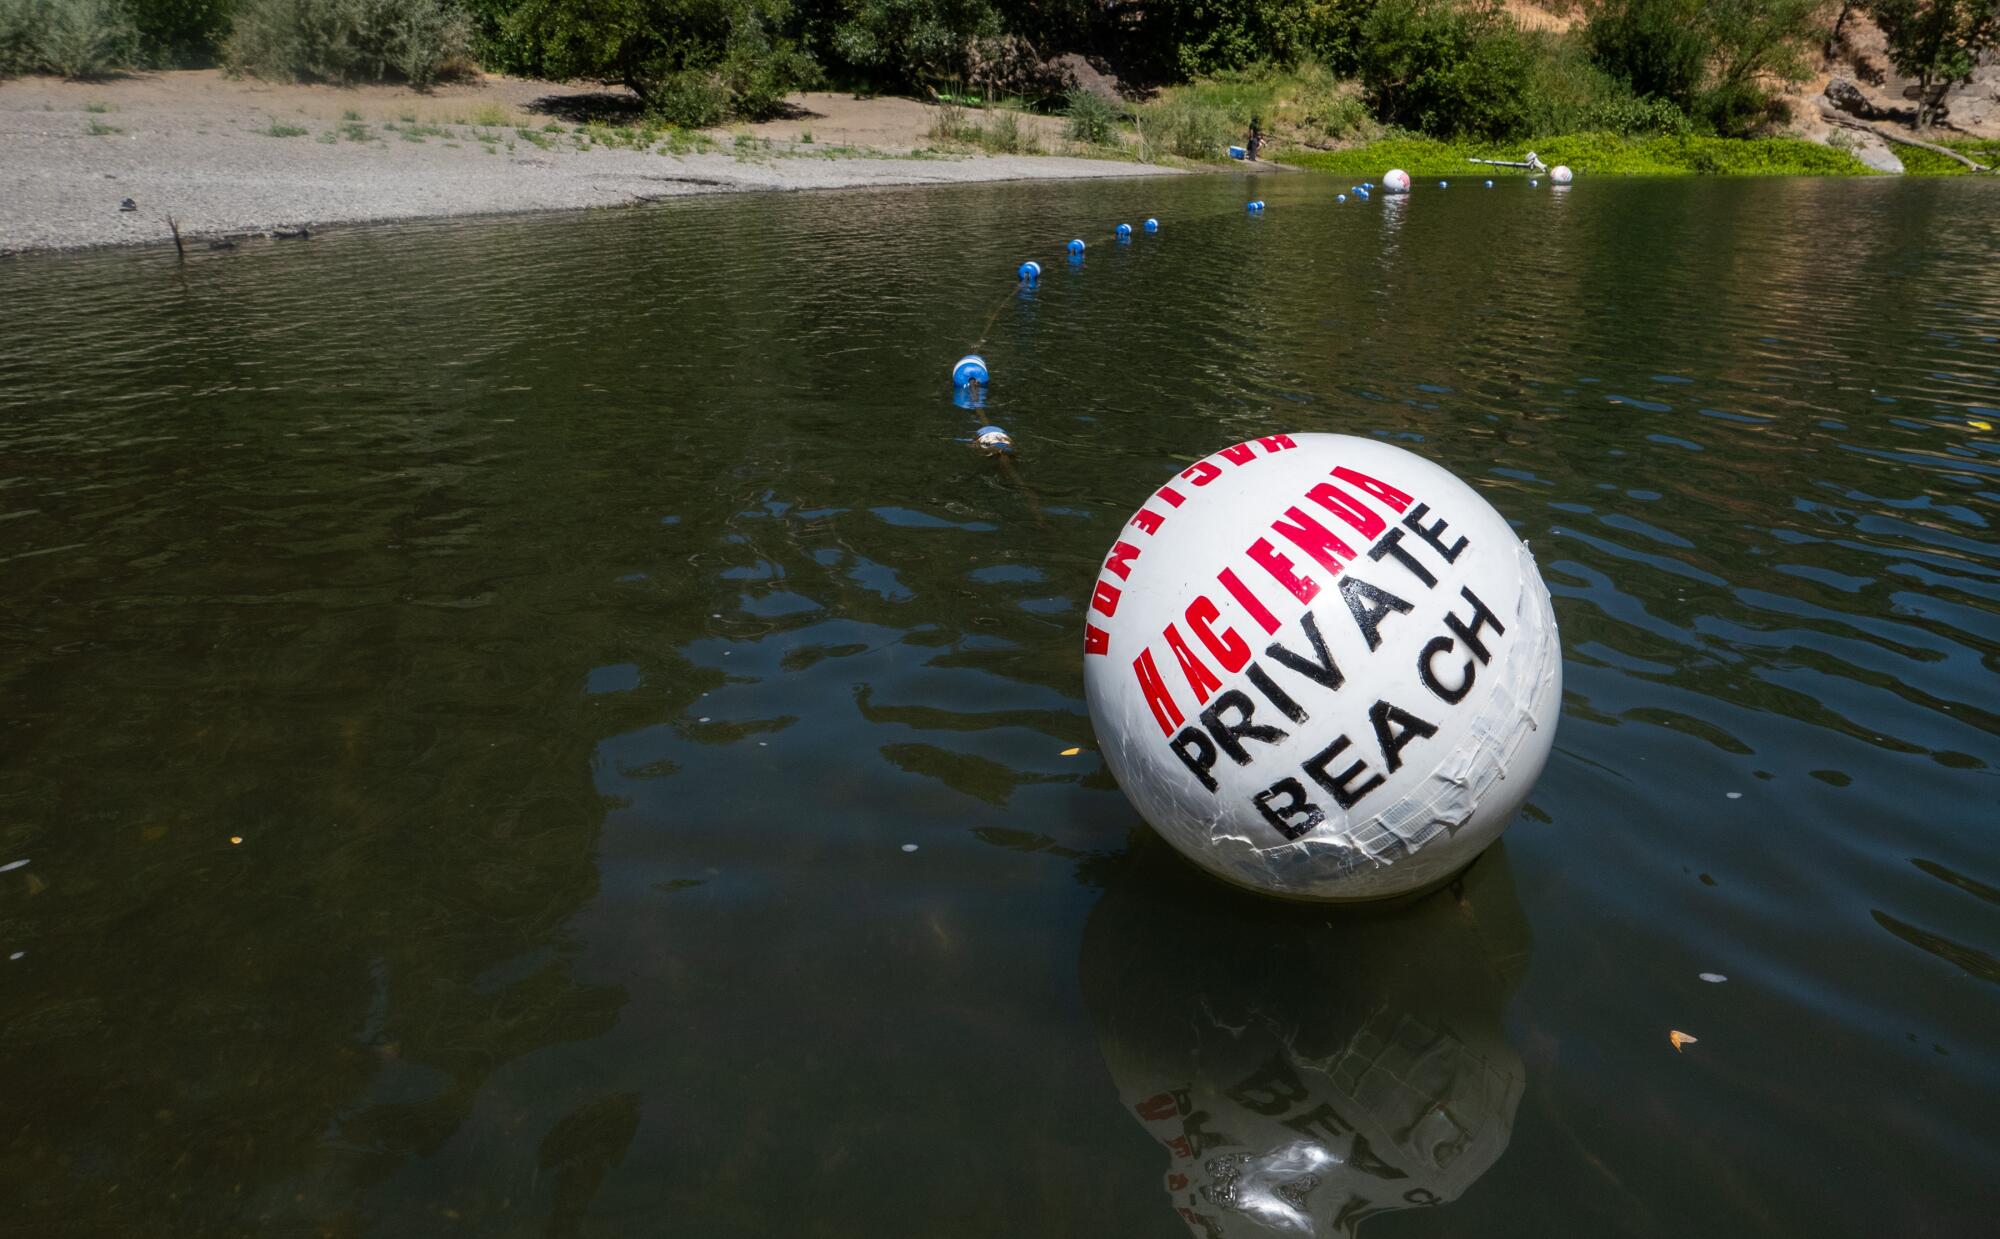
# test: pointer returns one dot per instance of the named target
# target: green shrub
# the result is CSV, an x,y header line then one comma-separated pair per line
x,y
691,99
417,41
180,33
76,38
692,62
1443,70
1595,154
1187,127
910,42
1709,60
1091,117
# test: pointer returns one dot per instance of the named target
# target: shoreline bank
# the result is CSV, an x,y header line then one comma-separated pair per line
x,y
230,158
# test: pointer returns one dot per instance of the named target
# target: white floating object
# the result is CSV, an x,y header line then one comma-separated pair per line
x,y
969,369
1340,197
1561,175
12,865
909,847
1735,795
1322,667
1713,978
1396,181
17,955
994,441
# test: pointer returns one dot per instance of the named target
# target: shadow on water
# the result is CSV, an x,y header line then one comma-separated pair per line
x,y
1307,1069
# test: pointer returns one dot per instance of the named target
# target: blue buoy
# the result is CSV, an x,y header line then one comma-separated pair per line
x,y
1340,197
1444,184
1255,208
1367,184
1361,193
1532,184
1076,247
1489,184
1152,225
970,369
1124,232
993,441
1030,272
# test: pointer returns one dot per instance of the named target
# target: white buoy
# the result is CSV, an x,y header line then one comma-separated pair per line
x,y
993,441
1561,175
1322,667
969,369
1396,181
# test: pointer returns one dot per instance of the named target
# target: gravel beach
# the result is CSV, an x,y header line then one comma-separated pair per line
x,y
226,157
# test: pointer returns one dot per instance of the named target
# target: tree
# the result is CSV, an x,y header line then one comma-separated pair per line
x,y
692,62
1937,42
1710,58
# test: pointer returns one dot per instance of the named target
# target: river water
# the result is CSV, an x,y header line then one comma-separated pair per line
x,y
546,727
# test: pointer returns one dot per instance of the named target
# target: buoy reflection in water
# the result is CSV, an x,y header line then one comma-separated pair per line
x,y
1307,1069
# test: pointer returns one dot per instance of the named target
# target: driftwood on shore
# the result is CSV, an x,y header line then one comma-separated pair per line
x,y
1858,126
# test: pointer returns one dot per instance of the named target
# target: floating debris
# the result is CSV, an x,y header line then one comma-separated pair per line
x,y
1679,1039
1713,978
909,847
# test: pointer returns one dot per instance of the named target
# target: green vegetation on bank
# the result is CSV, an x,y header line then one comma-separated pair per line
x,y
1644,85
1610,154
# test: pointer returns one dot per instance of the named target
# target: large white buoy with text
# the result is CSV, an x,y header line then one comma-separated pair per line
x,y
1322,667
1560,174
1396,181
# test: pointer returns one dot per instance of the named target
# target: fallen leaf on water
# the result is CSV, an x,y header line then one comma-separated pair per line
x,y
236,838
1071,752
1679,1039
1982,425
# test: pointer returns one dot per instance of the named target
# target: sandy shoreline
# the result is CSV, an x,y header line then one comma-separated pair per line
x,y
228,158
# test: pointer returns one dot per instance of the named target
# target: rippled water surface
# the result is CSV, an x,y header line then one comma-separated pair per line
x,y
545,727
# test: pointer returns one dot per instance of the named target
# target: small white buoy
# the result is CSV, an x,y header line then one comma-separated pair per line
x,y
1076,247
909,847
970,369
1396,181
1560,174
1323,667
1030,271
1152,225
994,441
